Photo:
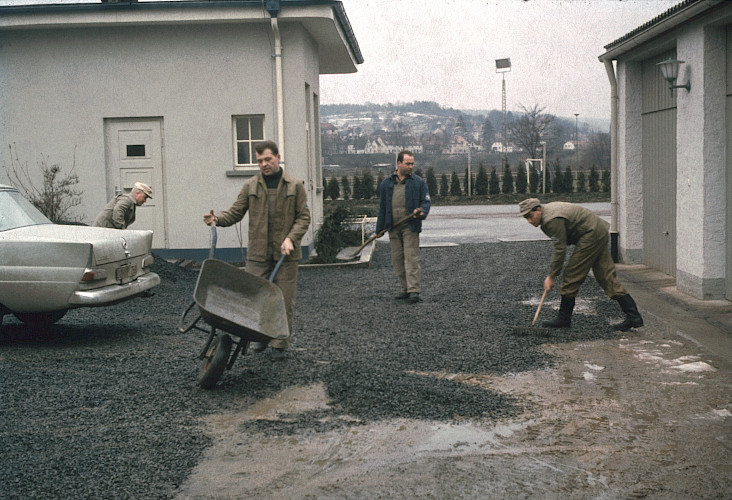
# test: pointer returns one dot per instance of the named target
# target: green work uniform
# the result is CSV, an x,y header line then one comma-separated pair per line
x,y
570,224
118,213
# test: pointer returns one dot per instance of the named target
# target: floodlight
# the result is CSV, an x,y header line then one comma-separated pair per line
x,y
503,65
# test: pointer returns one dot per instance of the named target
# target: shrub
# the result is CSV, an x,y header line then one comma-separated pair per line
x,y
444,185
481,182
606,180
58,194
521,181
346,187
333,191
431,180
334,235
455,189
594,180
507,186
581,182
494,186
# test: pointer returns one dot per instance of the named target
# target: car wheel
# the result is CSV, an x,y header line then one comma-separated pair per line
x,y
40,320
214,362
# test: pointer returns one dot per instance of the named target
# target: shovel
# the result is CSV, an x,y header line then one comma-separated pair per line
x,y
350,253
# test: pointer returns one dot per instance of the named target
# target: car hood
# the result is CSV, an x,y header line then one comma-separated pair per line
x,y
109,245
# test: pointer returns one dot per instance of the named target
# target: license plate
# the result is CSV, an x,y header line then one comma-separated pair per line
x,y
126,272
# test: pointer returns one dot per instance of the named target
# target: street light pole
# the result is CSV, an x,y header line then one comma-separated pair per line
x,y
576,146
543,167
503,66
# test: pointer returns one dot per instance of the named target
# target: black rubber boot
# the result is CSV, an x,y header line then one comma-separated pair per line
x,y
564,316
632,316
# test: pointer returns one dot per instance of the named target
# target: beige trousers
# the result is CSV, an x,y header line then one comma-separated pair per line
x,y
591,254
286,279
405,257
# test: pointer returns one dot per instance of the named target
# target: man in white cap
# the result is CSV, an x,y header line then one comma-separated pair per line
x,y
120,211
571,224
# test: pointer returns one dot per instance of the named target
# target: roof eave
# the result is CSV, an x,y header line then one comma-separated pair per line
x,y
326,20
658,26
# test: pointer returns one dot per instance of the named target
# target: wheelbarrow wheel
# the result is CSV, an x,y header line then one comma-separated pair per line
x,y
214,362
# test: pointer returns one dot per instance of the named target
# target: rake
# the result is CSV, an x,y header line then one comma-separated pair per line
x,y
536,330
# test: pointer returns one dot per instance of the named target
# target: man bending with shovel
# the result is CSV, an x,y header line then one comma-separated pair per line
x,y
405,202
571,224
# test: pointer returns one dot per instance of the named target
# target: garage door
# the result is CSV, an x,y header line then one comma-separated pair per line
x,y
659,168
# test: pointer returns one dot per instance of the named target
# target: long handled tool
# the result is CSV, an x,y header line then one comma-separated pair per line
x,y
350,253
534,329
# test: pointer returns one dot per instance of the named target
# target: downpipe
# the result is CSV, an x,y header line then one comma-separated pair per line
x,y
614,252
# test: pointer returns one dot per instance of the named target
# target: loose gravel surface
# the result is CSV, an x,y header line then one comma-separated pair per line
x,y
106,404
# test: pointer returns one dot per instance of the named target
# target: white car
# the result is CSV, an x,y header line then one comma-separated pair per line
x,y
47,269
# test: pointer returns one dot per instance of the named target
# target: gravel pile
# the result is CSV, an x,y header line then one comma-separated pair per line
x,y
106,405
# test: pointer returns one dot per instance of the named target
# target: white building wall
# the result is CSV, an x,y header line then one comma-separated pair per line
x,y
701,195
630,156
193,77
300,69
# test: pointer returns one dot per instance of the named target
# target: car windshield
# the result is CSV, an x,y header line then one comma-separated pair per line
x,y
16,211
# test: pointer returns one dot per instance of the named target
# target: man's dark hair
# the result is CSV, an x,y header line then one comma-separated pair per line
x,y
271,145
400,156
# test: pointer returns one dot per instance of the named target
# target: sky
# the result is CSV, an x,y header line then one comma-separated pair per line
x,y
445,51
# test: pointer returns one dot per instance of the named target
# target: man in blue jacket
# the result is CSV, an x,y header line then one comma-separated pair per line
x,y
403,194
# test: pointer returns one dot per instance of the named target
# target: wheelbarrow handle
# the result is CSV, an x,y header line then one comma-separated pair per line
x,y
188,319
212,249
276,268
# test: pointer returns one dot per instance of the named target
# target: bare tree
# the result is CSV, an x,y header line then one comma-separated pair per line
x,y
58,193
528,130
598,152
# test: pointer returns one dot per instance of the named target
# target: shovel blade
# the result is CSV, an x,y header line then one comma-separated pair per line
x,y
349,253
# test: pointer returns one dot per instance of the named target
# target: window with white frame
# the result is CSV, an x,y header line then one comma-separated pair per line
x,y
248,131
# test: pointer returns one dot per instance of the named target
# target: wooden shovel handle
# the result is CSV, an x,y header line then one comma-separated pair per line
x,y
398,223
382,232
541,303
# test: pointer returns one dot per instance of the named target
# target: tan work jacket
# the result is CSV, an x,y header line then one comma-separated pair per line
x,y
567,223
292,216
118,213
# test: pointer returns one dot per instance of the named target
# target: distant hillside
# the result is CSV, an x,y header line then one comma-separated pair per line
x,y
422,107
435,111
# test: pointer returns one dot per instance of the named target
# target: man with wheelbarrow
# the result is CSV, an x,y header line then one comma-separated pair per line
x,y
278,219
571,224
404,202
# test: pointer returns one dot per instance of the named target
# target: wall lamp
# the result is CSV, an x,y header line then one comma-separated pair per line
x,y
670,72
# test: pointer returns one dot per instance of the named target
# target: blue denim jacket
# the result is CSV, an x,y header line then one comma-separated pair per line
x,y
417,196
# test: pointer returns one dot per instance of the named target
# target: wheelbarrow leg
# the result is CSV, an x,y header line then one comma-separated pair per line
x,y
241,348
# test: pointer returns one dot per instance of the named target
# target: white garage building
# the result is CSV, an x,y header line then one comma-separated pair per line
x,y
672,147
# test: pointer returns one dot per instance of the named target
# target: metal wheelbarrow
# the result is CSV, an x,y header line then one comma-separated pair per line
x,y
247,307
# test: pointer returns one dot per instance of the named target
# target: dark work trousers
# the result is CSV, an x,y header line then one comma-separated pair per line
x,y
286,280
404,245
591,252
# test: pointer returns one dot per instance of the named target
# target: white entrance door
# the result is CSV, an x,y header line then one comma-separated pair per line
x,y
134,154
